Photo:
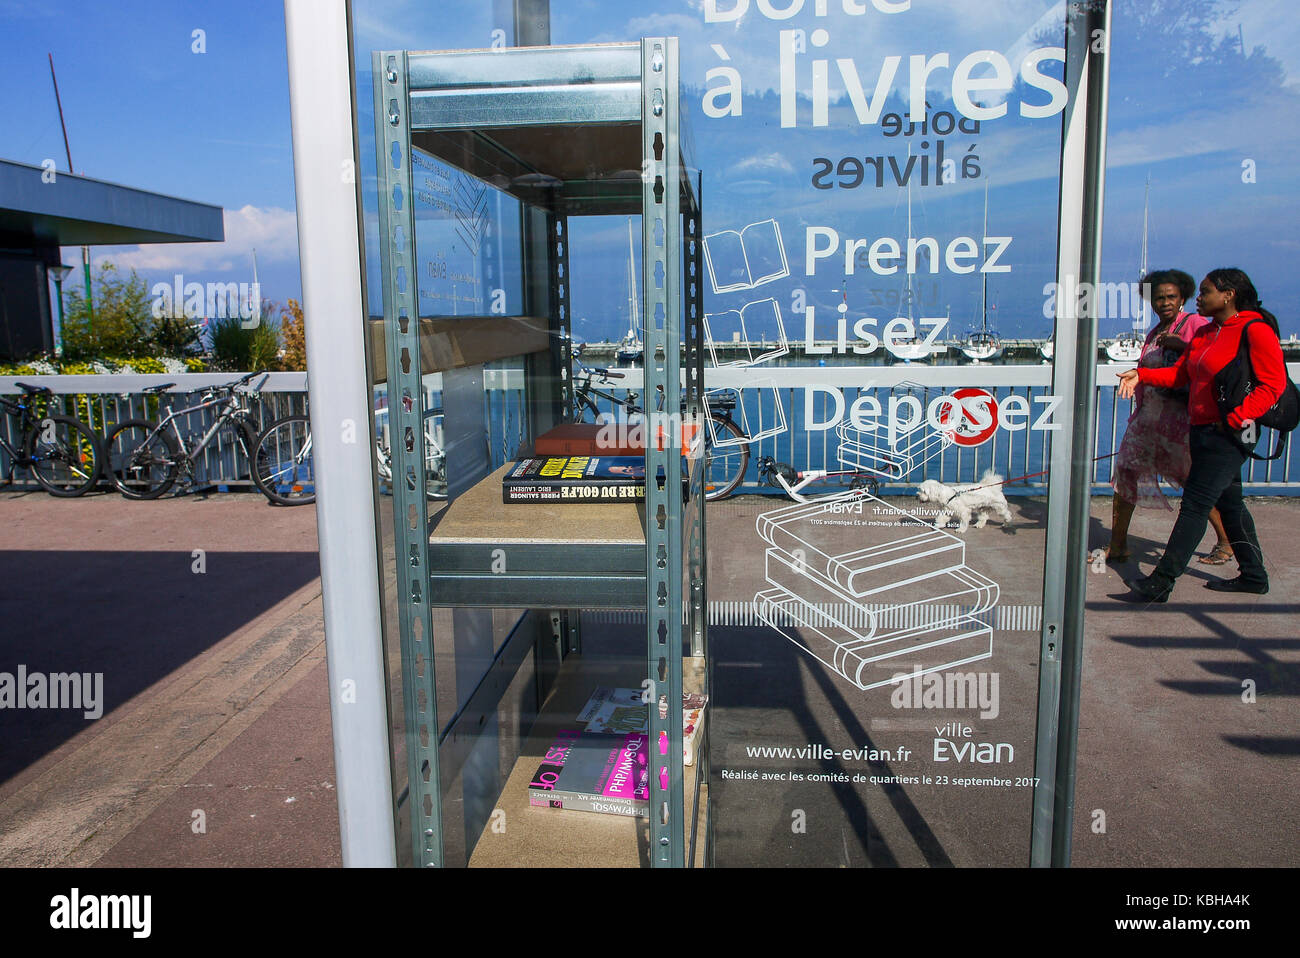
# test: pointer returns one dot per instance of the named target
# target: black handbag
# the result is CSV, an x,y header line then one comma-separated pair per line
x,y
1235,381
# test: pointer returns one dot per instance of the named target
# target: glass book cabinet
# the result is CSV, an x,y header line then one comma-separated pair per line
x,y
502,618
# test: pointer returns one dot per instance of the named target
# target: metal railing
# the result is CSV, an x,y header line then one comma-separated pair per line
x,y
806,395
103,401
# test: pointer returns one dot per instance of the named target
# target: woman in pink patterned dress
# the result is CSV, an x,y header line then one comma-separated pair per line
x,y
1156,440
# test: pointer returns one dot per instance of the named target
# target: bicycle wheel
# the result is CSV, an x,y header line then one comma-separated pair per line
x,y
724,465
282,464
585,409
143,464
435,458
65,455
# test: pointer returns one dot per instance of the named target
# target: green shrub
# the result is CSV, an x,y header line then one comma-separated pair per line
x,y
118,322
237,349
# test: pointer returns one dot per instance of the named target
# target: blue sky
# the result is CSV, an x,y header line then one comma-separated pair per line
x,y
144,110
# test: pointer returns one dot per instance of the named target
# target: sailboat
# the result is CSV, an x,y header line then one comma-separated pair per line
x,y
1127,347
1047,350
914,350
631,348
983,344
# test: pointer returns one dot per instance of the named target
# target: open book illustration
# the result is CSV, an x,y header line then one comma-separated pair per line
x,y
745,259
870,590
756,328
761,418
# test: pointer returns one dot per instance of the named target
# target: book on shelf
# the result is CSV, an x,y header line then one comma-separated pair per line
x,y
587,439
606,439
576,479
622,711
616,698
594,772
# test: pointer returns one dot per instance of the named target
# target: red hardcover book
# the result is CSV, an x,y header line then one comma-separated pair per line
x,y
588,439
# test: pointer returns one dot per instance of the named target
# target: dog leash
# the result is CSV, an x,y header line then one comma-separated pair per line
x,y
1005,482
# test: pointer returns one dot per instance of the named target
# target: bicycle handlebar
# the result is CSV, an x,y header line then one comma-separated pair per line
x,y
601,371
233,384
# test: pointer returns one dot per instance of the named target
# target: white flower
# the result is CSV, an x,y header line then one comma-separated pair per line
x,y
43,368
174,366
100,368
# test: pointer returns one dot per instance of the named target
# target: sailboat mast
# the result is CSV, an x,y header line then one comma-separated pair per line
x,y
1141,322
984,276
634,320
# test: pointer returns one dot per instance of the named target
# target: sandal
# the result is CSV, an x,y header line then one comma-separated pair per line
x,y
1114,557
1218,556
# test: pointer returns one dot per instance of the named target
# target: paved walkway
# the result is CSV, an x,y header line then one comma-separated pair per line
x,y
214,747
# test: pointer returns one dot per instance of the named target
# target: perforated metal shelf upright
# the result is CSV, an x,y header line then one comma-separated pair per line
x,y
577,130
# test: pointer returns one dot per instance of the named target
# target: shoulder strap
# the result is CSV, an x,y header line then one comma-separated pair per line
x,y
1277,453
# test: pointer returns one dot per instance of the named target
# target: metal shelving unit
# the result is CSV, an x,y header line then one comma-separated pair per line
x,y
567,131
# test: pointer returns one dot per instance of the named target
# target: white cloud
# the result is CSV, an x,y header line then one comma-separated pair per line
x,y
273,232
766,161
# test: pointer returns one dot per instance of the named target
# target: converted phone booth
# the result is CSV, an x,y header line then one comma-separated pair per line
x,y
875,690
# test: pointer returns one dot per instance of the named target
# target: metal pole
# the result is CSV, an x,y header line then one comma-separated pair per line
x,y
320,99
85,250
58,289
1083,165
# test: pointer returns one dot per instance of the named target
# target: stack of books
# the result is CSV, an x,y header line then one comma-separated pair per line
x,y
602,764
577,479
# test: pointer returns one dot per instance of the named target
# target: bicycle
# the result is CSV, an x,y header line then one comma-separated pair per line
x,y
794,482
725,462
145,459
62,452
284,459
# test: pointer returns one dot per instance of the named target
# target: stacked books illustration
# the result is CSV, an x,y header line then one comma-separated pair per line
x,y
870,590
893,457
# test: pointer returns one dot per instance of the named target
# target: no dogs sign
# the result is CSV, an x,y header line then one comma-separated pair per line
x,y
979,416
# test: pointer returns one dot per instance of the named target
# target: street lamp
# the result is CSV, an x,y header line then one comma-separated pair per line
x,y
60,273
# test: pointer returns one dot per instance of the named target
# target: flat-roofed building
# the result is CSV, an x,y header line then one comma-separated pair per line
x,y
42,210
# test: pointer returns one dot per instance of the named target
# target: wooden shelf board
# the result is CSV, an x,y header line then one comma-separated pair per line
x,y
551,837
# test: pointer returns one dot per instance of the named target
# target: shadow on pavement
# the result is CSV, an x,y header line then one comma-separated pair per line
x,y
135,617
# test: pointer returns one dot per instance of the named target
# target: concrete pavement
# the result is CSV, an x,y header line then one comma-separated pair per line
x,y
214,747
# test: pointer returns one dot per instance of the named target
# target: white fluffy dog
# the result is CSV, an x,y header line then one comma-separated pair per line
x,y
965,502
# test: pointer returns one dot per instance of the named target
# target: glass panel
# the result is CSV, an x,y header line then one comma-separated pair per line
x,y
877,269
468,236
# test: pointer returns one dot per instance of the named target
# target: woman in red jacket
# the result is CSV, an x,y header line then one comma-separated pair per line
x,y
1218,449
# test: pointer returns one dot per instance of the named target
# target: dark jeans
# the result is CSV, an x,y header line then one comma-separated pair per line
x,y
1215,480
